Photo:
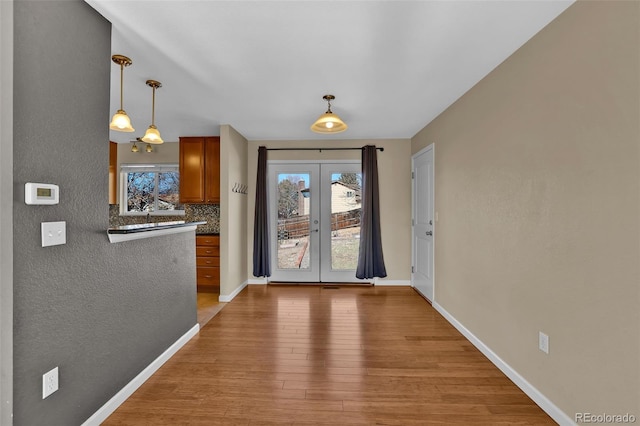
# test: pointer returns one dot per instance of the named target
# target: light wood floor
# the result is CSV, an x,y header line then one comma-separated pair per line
x,y
208,307
310,355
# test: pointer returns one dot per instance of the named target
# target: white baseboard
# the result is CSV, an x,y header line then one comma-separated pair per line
x,y
229,297
383,282
549,407
376,281
124,393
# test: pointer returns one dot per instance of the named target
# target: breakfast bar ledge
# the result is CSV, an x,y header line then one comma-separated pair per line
x,y
147,230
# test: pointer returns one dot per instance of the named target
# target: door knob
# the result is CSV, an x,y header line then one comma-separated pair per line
x,y
429,233
315,230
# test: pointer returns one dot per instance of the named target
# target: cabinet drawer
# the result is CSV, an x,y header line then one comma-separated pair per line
x,y
207,251
207,261
208,276
207,240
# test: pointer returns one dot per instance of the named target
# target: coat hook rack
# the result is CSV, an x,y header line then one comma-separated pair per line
x,y
240,188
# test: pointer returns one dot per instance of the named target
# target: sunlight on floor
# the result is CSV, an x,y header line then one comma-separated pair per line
x,y
208,307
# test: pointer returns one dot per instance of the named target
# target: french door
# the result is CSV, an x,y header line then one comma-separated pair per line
x,y
315,221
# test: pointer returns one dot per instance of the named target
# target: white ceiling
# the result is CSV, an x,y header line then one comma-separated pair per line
x,y
263,66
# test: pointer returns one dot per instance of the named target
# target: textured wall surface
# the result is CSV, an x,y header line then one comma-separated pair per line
x,y
537,191
101,312
6,211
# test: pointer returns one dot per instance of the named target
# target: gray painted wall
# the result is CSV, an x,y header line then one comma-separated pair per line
x,y
101,312
6,211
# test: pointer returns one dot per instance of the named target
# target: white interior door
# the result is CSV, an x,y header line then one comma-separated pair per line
x,y
315,221
423,221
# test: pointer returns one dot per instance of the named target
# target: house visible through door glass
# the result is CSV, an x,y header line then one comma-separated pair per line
x,y
346,201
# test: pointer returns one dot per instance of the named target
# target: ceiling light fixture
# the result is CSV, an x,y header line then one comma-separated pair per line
x,y
329,122
135,148
121,121
153,135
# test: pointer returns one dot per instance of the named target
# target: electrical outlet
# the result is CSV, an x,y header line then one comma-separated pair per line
x,y
543,342
49,382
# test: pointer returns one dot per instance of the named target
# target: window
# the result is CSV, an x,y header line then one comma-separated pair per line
x,y
150,189
350,194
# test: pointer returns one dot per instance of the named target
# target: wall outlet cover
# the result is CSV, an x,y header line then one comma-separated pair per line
x,y
543,342
49,382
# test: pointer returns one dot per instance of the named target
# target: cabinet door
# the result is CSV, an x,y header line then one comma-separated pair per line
x,y
212,170
192,170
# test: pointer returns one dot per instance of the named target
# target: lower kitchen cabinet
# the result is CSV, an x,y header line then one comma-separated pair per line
x,y
208,263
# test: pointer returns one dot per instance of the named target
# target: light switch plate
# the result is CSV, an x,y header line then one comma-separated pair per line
x,y
54,233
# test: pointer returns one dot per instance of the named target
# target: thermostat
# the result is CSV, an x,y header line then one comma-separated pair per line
x,y
41,193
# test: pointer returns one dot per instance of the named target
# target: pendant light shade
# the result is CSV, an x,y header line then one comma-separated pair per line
x,y
329,122
121,121
153,135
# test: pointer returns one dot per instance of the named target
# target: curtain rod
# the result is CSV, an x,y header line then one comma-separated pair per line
x,y
320,149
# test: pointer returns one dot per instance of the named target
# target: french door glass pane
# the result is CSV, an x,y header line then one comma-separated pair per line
x,y
346,200
293,220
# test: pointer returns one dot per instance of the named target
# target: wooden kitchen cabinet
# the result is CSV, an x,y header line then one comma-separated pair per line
x,y
208,263
200,169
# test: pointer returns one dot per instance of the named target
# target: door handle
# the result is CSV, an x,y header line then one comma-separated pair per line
x,y
429,233
315,230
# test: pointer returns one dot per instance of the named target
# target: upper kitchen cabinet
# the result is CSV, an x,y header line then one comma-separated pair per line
x,y
200,169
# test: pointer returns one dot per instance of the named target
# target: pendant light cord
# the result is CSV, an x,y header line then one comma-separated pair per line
x,y
153,107
121,85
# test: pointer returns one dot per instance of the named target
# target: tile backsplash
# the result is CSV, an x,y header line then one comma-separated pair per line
x,y
193,213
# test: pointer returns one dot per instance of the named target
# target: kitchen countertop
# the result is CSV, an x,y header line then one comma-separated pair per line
x,y
145,230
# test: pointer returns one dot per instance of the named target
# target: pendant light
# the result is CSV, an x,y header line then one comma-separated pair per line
x,y
121,121
134,148
153,135
329,122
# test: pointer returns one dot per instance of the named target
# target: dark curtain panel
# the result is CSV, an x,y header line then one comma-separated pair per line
x,y
261,255
370,259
